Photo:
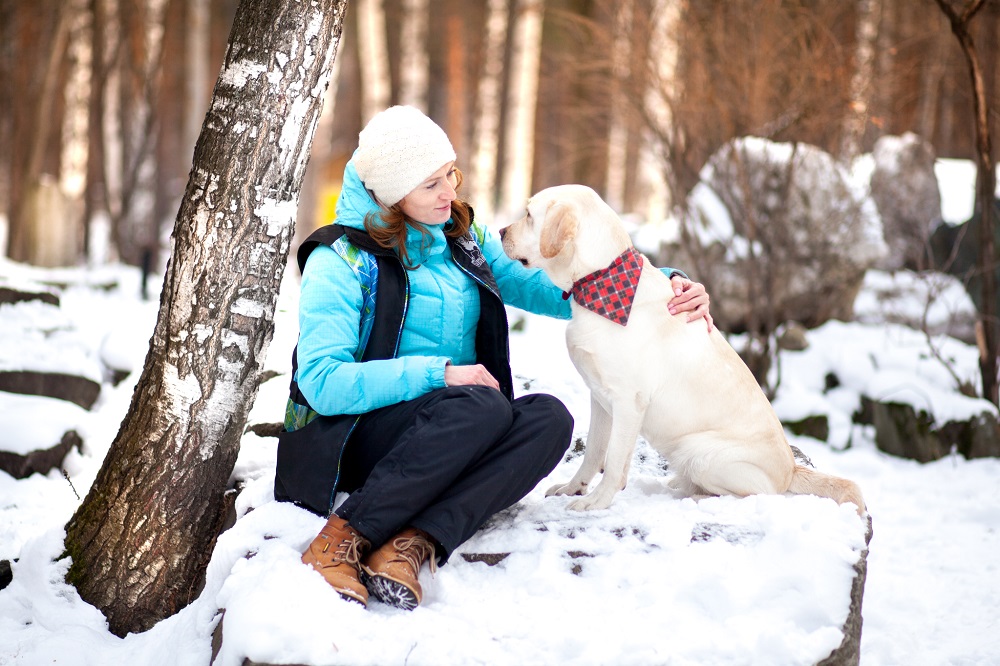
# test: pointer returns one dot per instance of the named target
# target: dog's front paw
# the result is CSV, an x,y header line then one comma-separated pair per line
x,y
592,502
571,488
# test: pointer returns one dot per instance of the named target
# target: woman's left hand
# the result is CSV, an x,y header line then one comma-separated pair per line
x,y
691,298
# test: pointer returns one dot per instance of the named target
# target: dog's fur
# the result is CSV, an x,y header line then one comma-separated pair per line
x,y
683,388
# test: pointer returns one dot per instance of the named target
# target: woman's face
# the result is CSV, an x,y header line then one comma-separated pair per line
x,y
430,201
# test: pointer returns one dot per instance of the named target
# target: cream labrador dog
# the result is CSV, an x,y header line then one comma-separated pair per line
x,y
650,373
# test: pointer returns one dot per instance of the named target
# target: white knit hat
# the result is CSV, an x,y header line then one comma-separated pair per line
x,y
399,149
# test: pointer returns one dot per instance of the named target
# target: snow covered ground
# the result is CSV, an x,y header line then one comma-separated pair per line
x,y
626,585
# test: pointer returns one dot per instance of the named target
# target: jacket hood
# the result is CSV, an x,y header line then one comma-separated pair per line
x,y
355,203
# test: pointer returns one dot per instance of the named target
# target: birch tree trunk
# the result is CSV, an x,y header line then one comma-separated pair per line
x,y
621,56
111,120
142,538
486,131
663,86
136,230
869,13
75,129
929,98
197,56
374,52
520,140
414,63
41,198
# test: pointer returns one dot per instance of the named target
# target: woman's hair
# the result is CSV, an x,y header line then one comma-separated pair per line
x,y
391,233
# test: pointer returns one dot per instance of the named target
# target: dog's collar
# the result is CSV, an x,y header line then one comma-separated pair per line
x,y
610,291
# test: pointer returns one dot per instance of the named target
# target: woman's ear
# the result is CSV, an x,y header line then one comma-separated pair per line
x,y
559,227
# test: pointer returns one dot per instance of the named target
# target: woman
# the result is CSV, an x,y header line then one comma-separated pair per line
x,y
402,394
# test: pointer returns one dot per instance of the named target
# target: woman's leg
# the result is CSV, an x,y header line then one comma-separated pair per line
x,y
447,461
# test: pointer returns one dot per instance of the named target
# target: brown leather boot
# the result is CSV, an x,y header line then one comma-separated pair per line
x,y
336,553
392,571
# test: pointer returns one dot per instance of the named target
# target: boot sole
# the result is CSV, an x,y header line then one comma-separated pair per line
x,y
391,592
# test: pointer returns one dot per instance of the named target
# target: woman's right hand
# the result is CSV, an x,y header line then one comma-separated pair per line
x,y
469,375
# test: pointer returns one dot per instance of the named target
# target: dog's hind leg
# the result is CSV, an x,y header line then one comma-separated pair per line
x,y
593,456
738,478
621,444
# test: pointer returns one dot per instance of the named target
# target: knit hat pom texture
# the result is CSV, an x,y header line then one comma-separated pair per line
x,y
398,149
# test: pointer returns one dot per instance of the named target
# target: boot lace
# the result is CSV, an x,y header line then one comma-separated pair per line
x,y
350,549
414,550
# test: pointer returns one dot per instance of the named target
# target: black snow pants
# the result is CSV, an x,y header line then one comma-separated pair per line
x,y
447,461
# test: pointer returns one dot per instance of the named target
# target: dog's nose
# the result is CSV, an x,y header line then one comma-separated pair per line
x,y
502,232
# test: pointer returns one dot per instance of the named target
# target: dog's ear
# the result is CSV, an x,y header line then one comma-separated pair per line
x,y
560,227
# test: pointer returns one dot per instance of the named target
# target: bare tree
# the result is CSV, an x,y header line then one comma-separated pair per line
x,y
488,103
135,228
375,83
869,14
197,34
520,138
35,174
413,61
142,538
985,188
621,56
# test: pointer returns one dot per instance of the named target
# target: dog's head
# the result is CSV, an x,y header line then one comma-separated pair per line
x,y
568,231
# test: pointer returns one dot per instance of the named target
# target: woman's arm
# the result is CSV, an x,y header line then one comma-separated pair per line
x,y
329,321
526,288
531,289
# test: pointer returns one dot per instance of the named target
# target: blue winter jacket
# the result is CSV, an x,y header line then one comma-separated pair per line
x,y
439,327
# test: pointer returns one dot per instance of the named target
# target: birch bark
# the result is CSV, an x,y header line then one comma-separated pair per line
x,y
520,139
136,230
487,129
621,56
869,13
197,56
413,63
662,87
374,52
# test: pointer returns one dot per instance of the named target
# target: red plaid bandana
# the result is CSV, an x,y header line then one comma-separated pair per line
x,y
609,292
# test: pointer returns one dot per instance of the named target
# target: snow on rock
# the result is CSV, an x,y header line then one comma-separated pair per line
x,y
778,223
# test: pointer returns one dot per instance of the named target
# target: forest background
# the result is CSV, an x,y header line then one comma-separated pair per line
x,y
102,101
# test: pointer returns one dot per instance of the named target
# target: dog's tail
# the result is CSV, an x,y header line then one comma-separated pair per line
x,y
806,481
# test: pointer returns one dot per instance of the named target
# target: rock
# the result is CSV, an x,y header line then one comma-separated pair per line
x,y
906,432
777,227
6,574
21,466
904,187
582,550
489,559
817,427
793,337
849,651
78,390
9,294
